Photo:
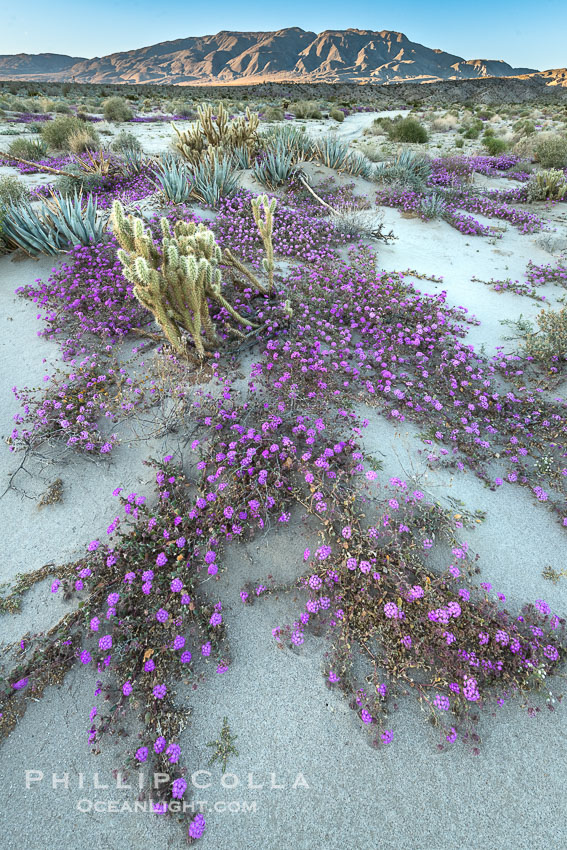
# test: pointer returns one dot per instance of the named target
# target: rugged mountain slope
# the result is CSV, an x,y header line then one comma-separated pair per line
x,y
351,55
26,64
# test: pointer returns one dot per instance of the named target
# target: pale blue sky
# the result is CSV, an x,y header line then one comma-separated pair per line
x,y
520,32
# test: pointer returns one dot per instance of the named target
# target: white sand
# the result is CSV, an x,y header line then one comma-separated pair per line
x,y
407,796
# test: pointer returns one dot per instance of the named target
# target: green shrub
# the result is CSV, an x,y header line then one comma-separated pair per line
x,y
494,146
273,113
56,133
459,143
407,130
12,190
550,339
125,141
61,109
116,109
337,115
31,149
182,108
551,152
524,127
85,183
305,109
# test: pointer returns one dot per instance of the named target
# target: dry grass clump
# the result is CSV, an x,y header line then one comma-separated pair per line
x,y
444,123
80,141
372,151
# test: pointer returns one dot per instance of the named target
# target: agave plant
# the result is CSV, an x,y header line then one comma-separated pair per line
x,y
133,161
171,177
214,177
358,165
242,157
275,168
76,222
60,223
291,139
432,206
407,168
332,152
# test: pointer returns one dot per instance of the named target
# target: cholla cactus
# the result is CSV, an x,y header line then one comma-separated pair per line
x,y
220,133
174,283
265,226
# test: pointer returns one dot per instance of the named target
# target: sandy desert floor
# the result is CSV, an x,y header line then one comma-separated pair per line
x,y
305,776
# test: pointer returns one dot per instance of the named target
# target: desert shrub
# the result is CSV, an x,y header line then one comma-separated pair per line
x,y
356,222
83,140
547,185
12,190
56,133
181,108
551,151
471,132
375,129
273,113
494,146
444,123
407,130
116,109
337,115
525,147
548,344
371,151
459,143
524,127
305,109
125,141
32,150
46,104
61,109
83,182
